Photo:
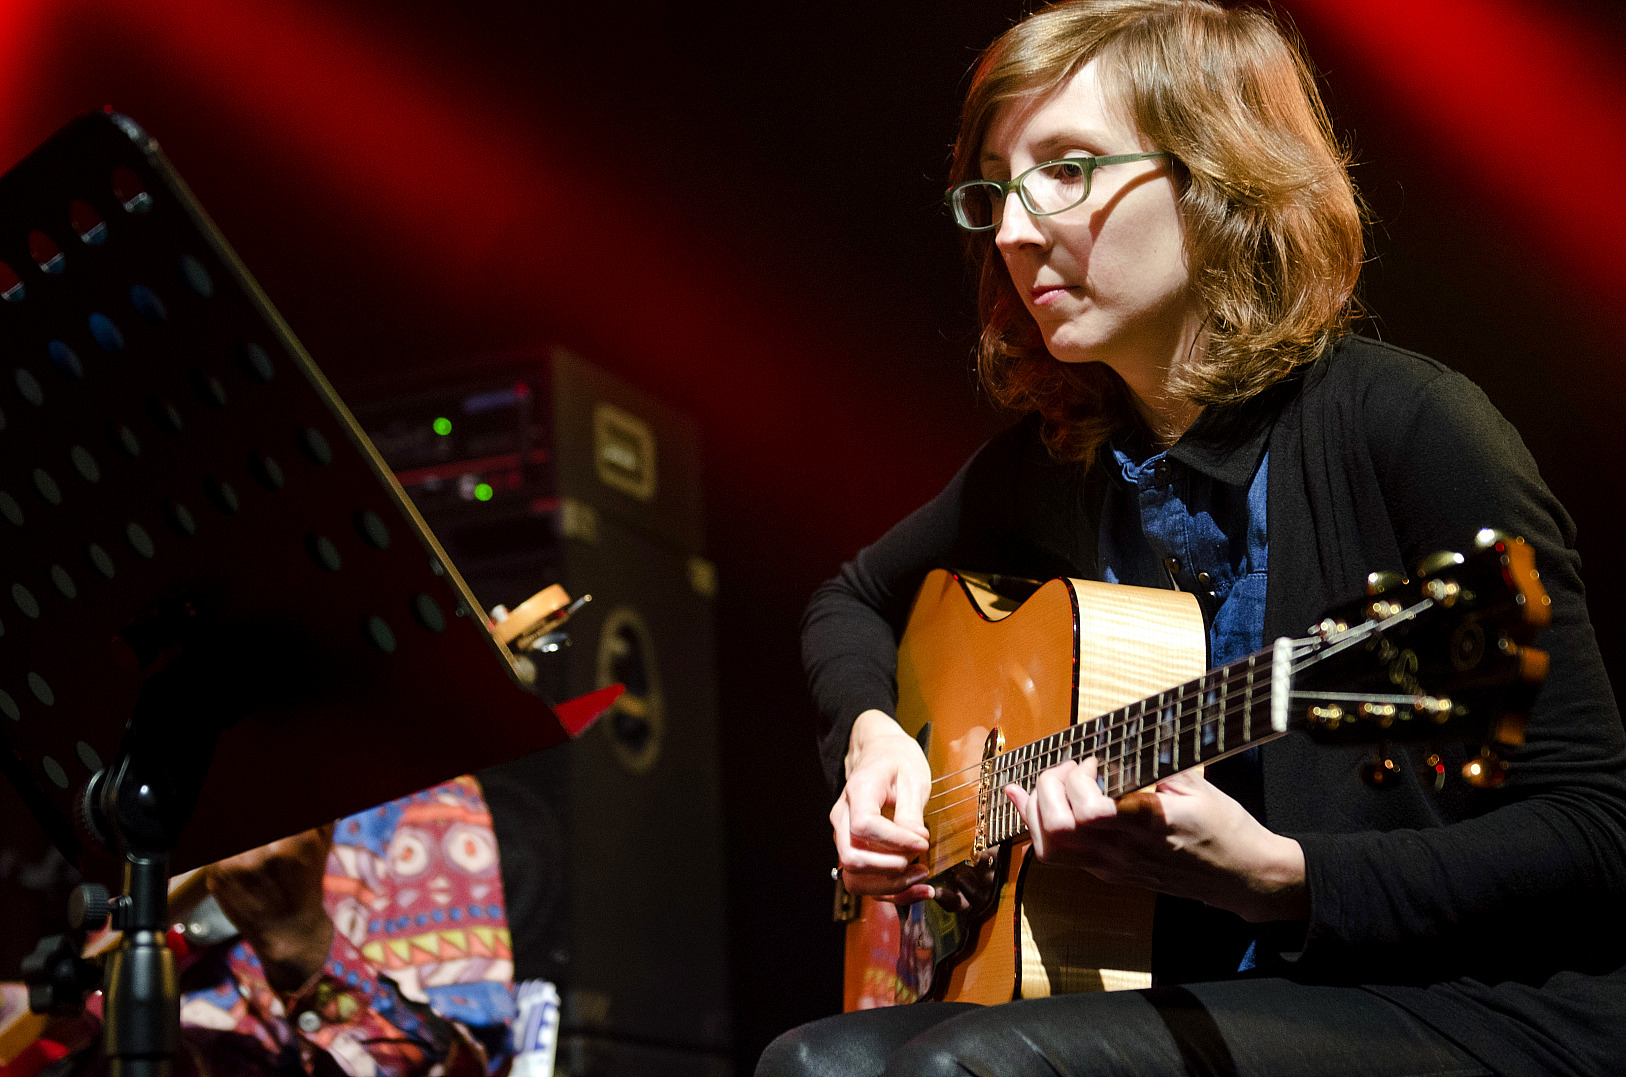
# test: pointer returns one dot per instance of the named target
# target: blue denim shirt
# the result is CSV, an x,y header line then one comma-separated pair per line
x,y
1167,524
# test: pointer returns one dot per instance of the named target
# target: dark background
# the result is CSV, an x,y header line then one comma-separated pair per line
x,y
736,207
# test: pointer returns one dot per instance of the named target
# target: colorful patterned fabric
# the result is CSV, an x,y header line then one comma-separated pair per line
x,y
420,976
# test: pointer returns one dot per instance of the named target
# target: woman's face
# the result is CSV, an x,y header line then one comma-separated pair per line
x,y
1106,280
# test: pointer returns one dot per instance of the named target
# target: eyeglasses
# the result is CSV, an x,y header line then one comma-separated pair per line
x,y
1045,189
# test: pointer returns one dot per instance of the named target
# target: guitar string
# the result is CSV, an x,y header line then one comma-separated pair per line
x,y
1307,651
1020,768
1017,777
1161,737
1260,672
1185,692
952,832
1014,762
1021,764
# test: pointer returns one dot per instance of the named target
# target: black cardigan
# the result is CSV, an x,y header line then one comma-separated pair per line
x,y
1496,917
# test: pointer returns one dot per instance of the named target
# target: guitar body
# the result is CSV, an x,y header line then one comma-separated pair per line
x,y
972,663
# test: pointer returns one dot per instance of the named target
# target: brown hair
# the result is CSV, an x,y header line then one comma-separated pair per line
x,y
1272,224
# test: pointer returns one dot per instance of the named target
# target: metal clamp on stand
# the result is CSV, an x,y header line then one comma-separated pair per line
x,y
142,1010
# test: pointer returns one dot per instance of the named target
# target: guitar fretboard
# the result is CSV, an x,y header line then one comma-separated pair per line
x,y
1222,712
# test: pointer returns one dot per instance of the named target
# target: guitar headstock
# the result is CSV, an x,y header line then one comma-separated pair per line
x,y
1443,656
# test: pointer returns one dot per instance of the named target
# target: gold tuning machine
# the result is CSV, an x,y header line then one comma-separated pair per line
x,y
534,623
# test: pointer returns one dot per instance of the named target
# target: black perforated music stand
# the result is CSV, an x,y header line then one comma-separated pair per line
x,y
204,558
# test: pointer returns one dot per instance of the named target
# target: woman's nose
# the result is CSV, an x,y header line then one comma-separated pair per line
x,y
1017,228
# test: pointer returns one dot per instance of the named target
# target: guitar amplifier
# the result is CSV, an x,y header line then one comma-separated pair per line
x,y
611,846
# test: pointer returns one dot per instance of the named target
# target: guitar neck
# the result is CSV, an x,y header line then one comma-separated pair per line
x,y
1223,712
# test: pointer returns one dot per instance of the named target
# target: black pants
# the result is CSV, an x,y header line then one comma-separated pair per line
x,y
1240,1028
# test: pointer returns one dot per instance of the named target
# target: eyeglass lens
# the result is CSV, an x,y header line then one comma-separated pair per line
x,y
1050,188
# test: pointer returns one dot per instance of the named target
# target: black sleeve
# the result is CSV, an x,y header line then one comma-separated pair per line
x,y
1532,879
1010,509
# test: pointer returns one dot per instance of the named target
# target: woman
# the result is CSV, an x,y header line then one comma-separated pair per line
x,y
1168,244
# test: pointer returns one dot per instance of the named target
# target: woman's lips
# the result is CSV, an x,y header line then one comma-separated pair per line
x,y
1046,294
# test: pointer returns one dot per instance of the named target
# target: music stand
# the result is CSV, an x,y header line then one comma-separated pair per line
x,y
221,620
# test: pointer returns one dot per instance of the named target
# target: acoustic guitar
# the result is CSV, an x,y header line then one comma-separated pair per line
x,y
1000,679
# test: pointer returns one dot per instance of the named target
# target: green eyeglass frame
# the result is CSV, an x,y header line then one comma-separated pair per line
x,y
957,194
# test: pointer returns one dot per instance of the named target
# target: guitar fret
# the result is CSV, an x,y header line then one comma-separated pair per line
x,y
995,801
1112,753
1174,729
1154,758
1200,726
1146,765
997,824
1247,701
1161,750
1139,744
994,823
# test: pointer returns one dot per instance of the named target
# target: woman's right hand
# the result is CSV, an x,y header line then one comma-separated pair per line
x,y
273,895
879,818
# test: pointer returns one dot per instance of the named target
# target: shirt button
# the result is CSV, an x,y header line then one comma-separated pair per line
x,y
1204,578
1161,470
309,1022
1174,566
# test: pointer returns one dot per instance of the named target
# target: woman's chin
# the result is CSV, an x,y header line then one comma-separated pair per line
x,y
1075,348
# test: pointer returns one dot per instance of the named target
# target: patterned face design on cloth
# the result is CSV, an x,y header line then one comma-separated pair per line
x,y
414,884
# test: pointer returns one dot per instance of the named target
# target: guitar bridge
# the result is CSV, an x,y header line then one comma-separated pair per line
x,y
986,793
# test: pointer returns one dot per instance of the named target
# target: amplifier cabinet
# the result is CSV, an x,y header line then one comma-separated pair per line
x,y
557,471
627,817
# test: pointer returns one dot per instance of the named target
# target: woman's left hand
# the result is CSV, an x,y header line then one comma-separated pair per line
x,y
1184,837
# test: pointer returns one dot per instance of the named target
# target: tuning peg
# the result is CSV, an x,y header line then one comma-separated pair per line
x,y
551,643
1379,582
1381,771
1486,770
1436,562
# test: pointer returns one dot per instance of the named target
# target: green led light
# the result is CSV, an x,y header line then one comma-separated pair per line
x,y
443,426
483,492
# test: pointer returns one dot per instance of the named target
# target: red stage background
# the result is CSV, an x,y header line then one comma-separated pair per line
x,y
736,206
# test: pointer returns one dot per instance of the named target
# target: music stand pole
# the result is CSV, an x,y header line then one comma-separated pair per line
x,y
142,1010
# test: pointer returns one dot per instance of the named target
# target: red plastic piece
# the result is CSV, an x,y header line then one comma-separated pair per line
x,y
33,1058
579,713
